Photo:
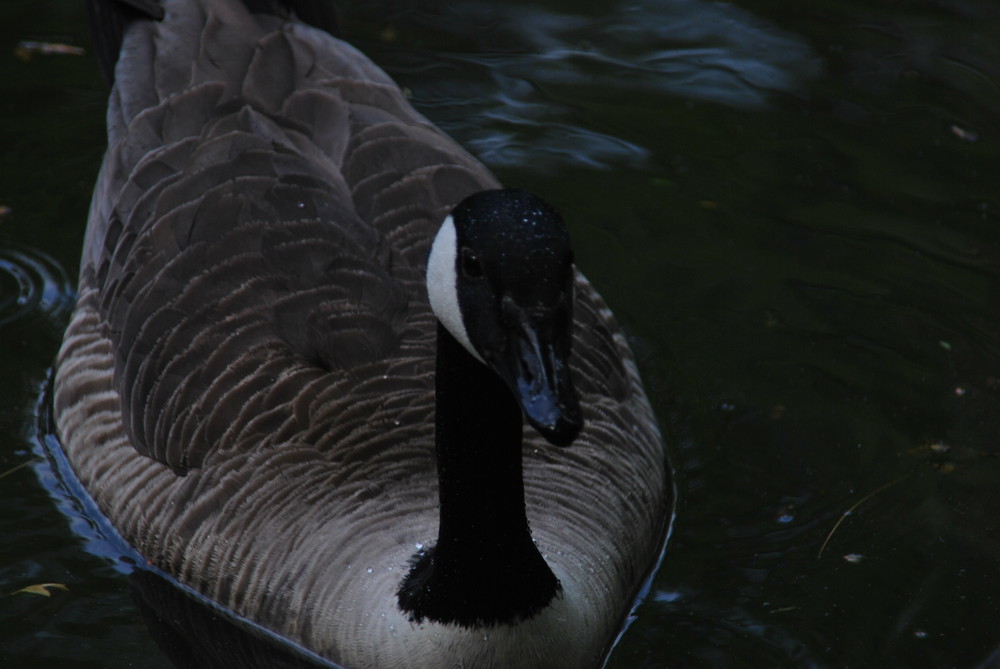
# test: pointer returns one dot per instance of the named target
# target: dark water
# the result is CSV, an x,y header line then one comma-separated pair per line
x,y
793,207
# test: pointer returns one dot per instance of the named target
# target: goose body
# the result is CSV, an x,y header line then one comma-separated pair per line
x,y
254,379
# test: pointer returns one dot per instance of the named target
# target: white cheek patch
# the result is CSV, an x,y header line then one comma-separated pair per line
x,y
442,284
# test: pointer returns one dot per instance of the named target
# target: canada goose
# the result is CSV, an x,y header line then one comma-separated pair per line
x,y
308,327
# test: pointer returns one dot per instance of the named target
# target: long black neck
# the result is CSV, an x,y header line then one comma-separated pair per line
x,y
485,568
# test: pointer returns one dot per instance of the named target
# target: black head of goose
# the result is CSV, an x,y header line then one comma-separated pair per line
x,y
391,441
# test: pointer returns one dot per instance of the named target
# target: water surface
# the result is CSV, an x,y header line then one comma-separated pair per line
x,y
793,208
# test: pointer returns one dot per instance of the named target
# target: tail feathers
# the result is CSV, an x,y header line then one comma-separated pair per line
x,y
108,19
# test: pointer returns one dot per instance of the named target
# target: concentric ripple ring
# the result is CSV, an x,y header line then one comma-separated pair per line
x,y
32,284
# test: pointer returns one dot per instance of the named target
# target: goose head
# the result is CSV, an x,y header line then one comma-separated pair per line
x,y
500,280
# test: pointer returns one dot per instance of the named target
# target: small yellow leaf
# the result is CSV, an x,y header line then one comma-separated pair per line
x,y
42,589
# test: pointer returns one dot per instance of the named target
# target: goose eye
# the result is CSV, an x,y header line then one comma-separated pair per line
x,y
471,267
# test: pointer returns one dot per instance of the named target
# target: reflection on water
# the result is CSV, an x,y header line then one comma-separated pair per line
x,y
794,209
534,66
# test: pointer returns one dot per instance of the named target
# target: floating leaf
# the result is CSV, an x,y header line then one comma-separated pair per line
x,y
27,49
42,589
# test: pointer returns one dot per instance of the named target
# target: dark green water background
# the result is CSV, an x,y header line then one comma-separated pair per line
x,y
793,208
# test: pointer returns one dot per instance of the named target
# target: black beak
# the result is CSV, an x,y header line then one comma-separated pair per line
x,y
536,368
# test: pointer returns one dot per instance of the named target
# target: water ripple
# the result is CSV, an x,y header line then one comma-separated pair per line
x,y
32,284
548,89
